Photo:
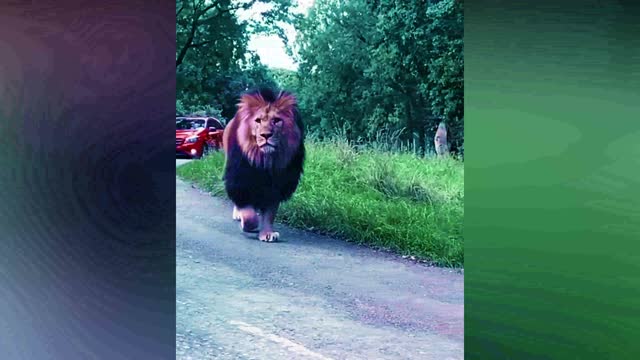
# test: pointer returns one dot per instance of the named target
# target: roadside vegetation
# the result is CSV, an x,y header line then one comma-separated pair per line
x,y
398,201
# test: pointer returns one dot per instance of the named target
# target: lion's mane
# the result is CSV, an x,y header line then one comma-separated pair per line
x,y
255,178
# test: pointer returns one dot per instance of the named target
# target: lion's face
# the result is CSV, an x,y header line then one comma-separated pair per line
x,y
267,131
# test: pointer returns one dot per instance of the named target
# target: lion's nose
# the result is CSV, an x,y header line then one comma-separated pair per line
x,y
266,136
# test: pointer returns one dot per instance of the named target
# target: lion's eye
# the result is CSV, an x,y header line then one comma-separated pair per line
x,y
276,120
258,120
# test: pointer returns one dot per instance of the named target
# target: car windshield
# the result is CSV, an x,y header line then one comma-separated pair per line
x,y
189,124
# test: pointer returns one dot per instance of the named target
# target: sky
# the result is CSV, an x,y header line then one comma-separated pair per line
x,y
270,48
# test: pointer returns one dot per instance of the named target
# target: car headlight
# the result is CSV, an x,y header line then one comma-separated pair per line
x,y
192,139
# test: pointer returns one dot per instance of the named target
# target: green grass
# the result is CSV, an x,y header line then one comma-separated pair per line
x,y
397,201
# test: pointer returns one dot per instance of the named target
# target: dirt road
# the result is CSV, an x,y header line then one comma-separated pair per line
x,y
307,297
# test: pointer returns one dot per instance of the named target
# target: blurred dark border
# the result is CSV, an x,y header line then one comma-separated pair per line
x,y
87,179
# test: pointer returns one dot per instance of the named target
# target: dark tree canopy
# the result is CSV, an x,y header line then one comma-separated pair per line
x,y
383,64
365,66
213,63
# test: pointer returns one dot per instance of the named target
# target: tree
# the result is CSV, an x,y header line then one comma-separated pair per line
x,y
382,65
285,79
195,19
213,63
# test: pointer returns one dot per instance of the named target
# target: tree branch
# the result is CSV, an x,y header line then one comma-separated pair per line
x,y
187,44
216,15
196,22
200,44
358,34
204,11
179,11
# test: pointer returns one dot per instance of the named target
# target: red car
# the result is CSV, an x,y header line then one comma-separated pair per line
x,y
195,136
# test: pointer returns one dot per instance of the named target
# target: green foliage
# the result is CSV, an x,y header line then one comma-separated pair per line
x,y
285,79
365,66
389,64
213,63
206,110
395,200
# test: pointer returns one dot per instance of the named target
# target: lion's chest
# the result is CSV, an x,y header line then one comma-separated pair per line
x,y
250,186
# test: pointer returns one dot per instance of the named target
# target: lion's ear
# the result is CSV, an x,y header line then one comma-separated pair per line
x,y
251,101
285,102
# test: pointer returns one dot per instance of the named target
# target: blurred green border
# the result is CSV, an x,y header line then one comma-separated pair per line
x,y
552,207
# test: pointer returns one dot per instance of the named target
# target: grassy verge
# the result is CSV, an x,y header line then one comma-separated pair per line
x,y
397,201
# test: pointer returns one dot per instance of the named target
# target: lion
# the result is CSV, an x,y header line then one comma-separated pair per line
x,y
264,147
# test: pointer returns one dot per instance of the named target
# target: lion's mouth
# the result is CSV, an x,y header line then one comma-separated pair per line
x,y
266,147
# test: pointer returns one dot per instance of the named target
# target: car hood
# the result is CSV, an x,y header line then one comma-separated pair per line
x,y
186,133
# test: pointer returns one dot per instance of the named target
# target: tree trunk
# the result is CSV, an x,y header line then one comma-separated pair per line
x,y
409,121
422,138
415,126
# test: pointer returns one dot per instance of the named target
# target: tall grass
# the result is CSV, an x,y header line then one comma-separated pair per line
x,y
394,200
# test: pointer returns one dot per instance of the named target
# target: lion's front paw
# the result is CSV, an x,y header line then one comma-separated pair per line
x,y
236,214
269,236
